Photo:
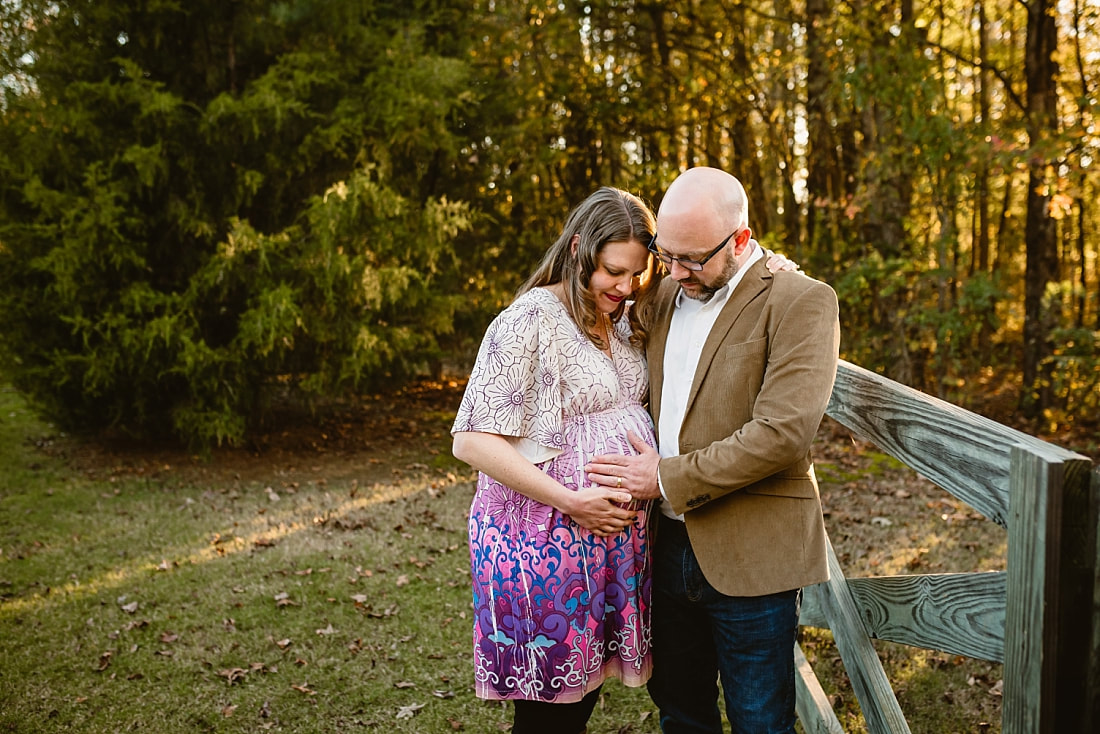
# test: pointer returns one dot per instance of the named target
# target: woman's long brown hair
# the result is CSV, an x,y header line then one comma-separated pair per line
x,y
607,215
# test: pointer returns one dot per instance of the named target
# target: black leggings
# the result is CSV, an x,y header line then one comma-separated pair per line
x,y
540,717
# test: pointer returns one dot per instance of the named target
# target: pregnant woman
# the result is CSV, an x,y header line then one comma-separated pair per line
x,y
561,576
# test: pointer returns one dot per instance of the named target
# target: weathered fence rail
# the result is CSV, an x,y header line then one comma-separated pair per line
x,y
1040,618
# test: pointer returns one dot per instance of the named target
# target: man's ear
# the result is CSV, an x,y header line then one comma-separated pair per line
x,y
573,244
740,240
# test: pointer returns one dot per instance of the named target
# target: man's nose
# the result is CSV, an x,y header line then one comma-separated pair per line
x,y
683,272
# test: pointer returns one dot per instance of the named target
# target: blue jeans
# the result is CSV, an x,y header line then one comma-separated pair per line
x,y
700,634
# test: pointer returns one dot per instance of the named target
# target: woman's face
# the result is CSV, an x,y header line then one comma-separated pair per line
x,y
619,264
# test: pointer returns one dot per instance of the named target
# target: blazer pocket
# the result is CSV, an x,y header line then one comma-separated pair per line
x,y
743,349
738,373
798,488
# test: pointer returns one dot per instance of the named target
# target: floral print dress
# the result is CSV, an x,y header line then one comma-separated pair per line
x,y
557,609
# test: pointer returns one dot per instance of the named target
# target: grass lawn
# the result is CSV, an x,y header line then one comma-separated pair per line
x,y
318,582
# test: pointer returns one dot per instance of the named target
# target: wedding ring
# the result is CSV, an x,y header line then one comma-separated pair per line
x,y
619,484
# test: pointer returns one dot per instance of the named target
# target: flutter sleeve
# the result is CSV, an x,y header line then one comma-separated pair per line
x,y
515,386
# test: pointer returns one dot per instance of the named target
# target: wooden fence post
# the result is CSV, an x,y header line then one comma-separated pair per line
x,y
1092,720
1052,557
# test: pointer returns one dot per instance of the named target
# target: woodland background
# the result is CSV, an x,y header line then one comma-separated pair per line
x,y
210,208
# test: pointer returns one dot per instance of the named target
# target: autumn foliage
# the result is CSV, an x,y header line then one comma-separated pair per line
x,y
206,209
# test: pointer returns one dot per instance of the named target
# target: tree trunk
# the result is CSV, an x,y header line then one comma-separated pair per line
x,y
1041,71
1083,258
821,151
980,259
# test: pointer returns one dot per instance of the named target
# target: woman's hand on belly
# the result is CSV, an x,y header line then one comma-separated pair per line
x,y
597,509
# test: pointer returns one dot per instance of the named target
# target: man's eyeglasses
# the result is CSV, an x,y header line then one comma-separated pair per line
x,y
687,263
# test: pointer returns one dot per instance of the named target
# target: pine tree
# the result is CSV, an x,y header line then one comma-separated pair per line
x,y
203,201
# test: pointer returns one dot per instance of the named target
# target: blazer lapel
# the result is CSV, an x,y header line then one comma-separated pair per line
x,y
755,282
664,300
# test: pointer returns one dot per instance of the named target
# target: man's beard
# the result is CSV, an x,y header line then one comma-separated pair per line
x,y
706,292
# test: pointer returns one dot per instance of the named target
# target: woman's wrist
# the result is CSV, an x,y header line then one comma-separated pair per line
x,y
565,500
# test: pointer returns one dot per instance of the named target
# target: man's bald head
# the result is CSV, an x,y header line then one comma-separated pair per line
x,y
704,197
703,221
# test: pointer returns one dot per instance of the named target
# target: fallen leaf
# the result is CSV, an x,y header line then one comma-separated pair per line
x,y
402,580
304,688
232,675
130,608
443,694
407,712
104,661
283,644
169,637
327,630
404,684
455,724
227,711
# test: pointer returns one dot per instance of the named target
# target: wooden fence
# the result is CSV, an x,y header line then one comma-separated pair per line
x,y
1040,618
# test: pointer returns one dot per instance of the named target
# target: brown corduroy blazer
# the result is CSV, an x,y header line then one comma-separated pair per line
x,y
744,479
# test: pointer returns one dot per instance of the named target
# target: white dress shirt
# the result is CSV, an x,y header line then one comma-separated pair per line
x,y
691,323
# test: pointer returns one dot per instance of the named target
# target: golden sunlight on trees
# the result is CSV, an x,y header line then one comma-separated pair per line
x,y
935,162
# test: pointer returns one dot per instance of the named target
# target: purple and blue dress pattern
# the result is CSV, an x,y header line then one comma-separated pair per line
x,y
557,609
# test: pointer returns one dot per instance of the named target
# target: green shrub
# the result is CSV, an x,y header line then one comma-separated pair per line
x,y
201,204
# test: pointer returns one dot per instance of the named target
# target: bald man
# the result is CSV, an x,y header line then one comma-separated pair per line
x,y
741,363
